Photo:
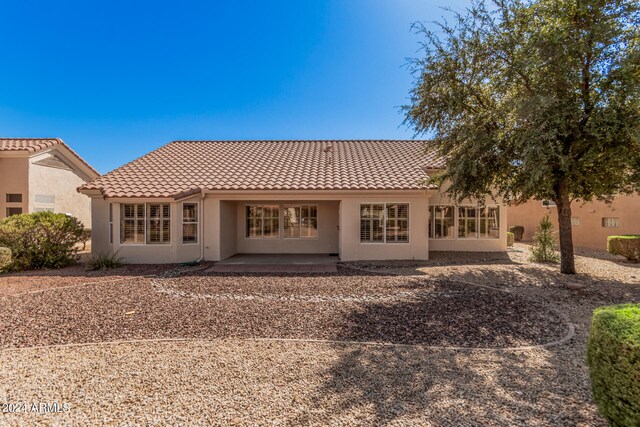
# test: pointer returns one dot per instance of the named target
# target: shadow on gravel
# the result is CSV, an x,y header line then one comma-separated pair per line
x,y
438,387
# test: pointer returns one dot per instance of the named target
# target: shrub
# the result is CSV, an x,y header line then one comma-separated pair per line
x,y
628,246
5,258
545,243
41,239
613,356
510,238
518,232
105,261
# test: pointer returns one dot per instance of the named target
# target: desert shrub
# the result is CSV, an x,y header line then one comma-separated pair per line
x,y
545,246
5,258
510,238
613,356
518,232
105,261
41,239
628,246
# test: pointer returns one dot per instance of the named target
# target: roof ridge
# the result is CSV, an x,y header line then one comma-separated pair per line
x,y
298,140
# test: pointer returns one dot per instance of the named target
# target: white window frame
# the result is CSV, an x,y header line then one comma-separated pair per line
x,y
111,223
300,222
384,223
456,222
610,222
196,222
147,223
262,218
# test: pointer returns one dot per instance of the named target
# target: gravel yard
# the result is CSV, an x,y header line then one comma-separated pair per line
x,y
353,348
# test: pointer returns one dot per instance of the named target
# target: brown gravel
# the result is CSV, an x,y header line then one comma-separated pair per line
x,y
332,307
235,381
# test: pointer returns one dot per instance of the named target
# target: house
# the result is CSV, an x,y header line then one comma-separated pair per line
x,y
591,222
42,174
363,200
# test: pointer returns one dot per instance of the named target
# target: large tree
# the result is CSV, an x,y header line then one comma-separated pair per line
x,y
534,99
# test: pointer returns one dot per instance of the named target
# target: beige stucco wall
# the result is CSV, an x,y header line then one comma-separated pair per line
x,y
228,229
173,252
327,241
14,179
589,233
470,244
62,185
416,249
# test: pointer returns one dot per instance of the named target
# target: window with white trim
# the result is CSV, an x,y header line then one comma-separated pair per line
x,y
300,222
384,223
132,222
442,222
148,223
489,222
189,223
397,222
467,222
262,221
609,222
575,220
158,223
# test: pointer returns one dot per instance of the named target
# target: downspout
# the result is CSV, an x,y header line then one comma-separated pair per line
x,y
202,197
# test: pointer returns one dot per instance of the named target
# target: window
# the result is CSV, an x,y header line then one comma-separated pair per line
x,y
471,222
397,227
442,217
467,222
14,198
575,220
380,223
371,223
43,209
489,222
110,222
611,222
189,223
548,204
132,220
263,222
300,222
13,211
158,223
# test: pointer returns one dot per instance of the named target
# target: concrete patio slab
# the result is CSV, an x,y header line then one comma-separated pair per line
x,y
277,263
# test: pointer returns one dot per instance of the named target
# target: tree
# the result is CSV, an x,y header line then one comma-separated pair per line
x,y
545,244
534,99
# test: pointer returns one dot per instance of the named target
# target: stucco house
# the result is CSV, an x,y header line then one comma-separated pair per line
x,y
42,174
209,200
591,222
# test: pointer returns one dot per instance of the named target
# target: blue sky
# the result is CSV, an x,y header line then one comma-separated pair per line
x,y
117,79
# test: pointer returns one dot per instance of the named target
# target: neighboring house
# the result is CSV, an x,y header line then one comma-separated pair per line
x,y
42,175
363,200
591,222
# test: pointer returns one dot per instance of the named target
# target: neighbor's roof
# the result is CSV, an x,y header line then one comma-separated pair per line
x,y
185,167
33,145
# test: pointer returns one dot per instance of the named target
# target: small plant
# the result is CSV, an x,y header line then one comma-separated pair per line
x,y
613,356
545,243
41,239
510,238
5,258
518,232
105,261
628,246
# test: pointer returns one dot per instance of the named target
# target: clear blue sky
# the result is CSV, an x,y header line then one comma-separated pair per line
x,y
116,79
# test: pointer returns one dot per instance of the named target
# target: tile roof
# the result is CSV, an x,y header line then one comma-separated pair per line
x,y
185,167
33,145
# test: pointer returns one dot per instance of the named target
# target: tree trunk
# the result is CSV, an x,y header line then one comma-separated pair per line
x,y
567,265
